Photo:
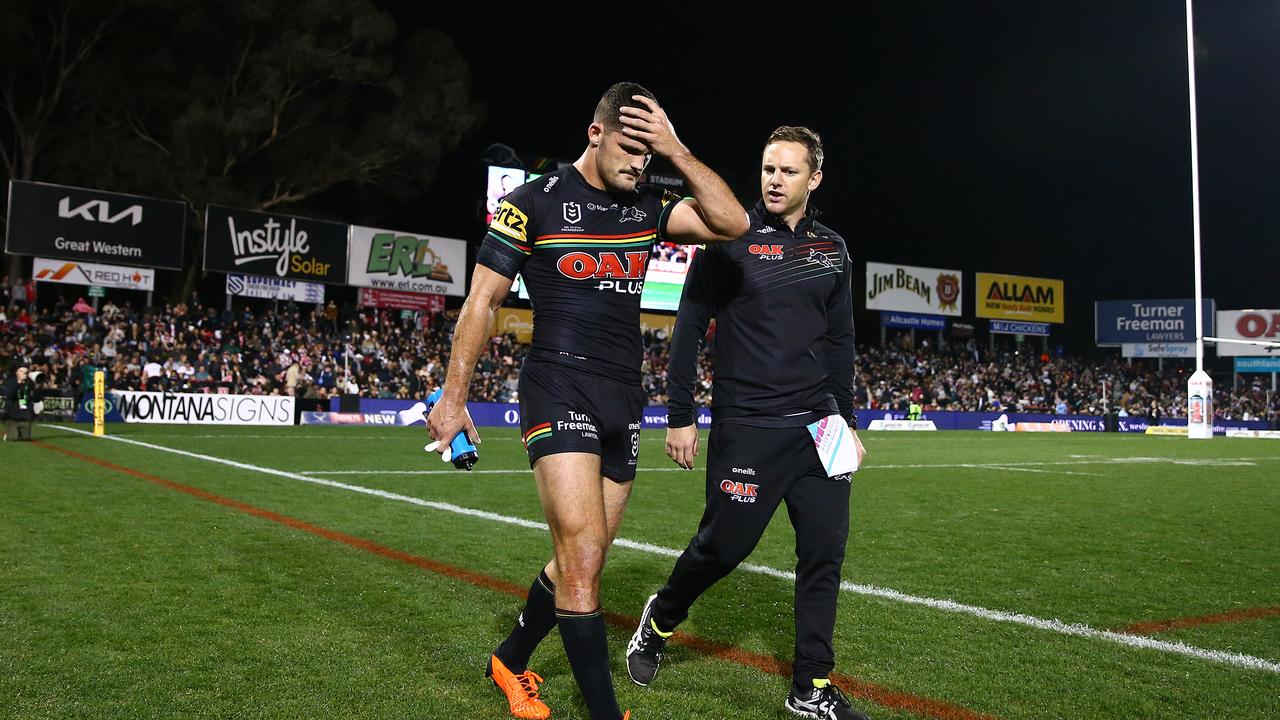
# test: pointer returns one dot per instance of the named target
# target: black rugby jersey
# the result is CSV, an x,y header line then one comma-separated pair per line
x,y
783,305
583,253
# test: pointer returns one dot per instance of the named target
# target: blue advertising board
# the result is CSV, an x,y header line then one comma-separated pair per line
x,y
912,321
1116,322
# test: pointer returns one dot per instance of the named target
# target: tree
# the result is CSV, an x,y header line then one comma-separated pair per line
x,y
44,51
305,106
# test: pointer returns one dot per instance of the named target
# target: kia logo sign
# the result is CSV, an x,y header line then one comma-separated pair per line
x,y
85,212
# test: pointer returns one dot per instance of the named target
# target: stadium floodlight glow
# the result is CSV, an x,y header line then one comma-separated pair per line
x,y
1199,385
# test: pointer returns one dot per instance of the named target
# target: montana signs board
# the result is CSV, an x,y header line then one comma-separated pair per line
x,y
274,245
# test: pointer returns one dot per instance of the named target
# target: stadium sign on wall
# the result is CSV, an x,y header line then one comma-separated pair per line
x,y
1158,350
907,288
1013,327
93,274
912,321
1116,322
203,409
274,288
74,223
282,246
1015,297
1261,325
390,260
417,302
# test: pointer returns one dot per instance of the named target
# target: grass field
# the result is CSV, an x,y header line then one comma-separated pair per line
x,y
329,572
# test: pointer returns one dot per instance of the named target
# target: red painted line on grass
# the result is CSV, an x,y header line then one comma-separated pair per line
x,y
878,694
1158,626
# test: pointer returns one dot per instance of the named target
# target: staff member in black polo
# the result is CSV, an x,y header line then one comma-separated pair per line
x,y
783,304
19,404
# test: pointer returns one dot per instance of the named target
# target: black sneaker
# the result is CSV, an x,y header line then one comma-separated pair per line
x,y
644,652
824,703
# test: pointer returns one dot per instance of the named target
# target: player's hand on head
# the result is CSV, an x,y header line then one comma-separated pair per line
x,y
682,445
646,122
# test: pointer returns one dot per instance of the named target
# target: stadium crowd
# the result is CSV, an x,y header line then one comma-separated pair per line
x,y
319,352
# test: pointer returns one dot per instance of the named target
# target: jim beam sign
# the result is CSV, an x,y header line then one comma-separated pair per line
x,y
907,288
1014,297
271,245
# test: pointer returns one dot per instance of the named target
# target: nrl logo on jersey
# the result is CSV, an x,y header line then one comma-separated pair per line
x,y
632,214
572,213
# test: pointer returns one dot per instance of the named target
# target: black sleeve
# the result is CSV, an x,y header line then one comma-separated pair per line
x,y
697,306
10,398
667,202
509,241
838,352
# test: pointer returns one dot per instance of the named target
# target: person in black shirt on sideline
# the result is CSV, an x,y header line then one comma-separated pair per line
x,y
581,237
19,404
783,305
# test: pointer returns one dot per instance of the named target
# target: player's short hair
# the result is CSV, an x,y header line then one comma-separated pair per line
x,y
803,135
609,109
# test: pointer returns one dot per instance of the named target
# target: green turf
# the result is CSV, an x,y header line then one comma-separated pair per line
x,y
121,598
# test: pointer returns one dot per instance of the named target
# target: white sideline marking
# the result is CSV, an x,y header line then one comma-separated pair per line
x,y
1055,625
1030,466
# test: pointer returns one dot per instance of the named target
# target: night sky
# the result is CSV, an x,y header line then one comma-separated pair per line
x,y
1028,138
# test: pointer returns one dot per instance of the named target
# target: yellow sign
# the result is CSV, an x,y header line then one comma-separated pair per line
x,y
515,320
99,402
662,325
1014,297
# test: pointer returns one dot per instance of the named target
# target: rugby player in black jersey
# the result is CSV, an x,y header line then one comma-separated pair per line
x,y
581,237
783,384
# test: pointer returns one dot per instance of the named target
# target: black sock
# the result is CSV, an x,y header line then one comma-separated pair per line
x,y
535,621
588,649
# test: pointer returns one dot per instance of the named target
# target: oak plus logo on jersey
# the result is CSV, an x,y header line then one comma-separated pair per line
x,y
765,252
572,213
739,491
614,273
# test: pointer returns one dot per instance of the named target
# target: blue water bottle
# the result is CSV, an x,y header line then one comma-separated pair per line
x,y
463,453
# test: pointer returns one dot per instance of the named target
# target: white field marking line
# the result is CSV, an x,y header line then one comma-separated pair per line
x,y
315,437
1039,470
1073,629
1011,466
